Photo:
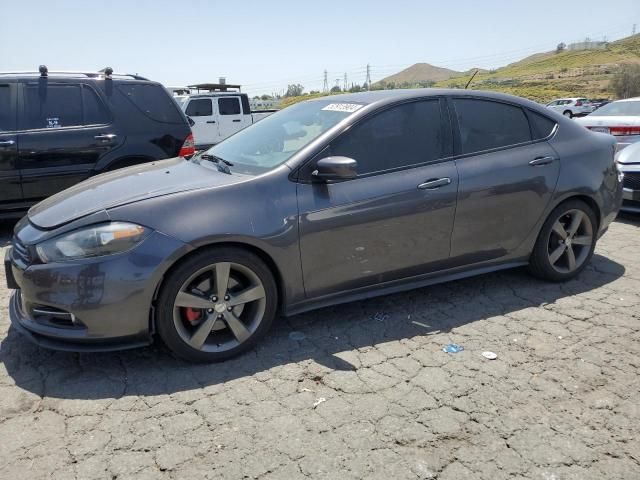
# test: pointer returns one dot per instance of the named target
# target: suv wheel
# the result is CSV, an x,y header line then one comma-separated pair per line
x,y
216,304
567,113
566,242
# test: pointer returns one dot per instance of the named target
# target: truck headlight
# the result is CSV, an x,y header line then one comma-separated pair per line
x,y
94,241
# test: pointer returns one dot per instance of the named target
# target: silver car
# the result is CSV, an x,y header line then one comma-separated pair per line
x,y
628,161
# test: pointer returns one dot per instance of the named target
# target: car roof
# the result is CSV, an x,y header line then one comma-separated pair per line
x,y
633,99
381,97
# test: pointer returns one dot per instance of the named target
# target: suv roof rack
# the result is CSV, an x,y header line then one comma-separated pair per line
x,y
215,87
45,72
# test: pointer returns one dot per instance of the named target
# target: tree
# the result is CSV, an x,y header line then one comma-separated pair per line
x,y
266,97
561,47
294,90
626,83
335,89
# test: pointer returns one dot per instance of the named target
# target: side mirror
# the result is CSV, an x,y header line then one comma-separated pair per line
x,y
335,168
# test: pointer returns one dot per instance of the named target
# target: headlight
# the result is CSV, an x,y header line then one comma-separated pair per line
x,y
94,241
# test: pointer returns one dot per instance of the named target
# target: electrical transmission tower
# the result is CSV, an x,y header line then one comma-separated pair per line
x,y
325,86
368,80
633,30
345,82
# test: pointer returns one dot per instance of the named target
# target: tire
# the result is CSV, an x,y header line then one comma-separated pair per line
x,y
551,259
199,327
568,113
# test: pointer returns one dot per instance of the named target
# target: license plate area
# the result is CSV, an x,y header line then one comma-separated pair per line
x,y
600,129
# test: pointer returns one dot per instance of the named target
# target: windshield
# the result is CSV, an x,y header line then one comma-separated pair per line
x,y
618,109
275,139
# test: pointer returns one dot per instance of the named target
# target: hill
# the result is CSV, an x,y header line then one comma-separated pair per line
x,y
419,73
547,75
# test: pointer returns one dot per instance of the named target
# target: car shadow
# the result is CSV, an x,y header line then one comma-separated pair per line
x,y
320,336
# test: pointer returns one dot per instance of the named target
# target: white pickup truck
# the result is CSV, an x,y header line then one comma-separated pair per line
x,y
218,115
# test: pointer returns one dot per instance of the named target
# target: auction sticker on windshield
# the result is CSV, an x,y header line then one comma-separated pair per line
x,y
343,107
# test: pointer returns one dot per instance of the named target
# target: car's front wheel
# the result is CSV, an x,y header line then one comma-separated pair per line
x,y
568,113
565,243
216,304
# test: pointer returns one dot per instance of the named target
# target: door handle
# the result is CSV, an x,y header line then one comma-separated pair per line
x,y
434,183
211,121
237,120
7,143
105,136
538,161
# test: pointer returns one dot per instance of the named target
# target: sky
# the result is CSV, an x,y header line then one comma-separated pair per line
x,y
266,45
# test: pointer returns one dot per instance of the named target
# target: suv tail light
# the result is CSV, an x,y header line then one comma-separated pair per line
x,y
619,131
188,147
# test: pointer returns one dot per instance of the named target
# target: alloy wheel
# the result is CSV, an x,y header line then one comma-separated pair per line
x,y
570,241
219,307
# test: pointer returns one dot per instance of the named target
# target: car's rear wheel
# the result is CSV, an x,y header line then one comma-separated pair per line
x,y
566,242
216,304
567,113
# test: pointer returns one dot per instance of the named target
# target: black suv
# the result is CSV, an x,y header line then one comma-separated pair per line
x,y
58,128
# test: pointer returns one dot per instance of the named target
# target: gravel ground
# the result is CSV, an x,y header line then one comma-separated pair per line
x,y
362,390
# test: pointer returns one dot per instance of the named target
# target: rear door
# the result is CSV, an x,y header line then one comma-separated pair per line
x,y
230,118
205,128
508,173
11,190
395,219
64,130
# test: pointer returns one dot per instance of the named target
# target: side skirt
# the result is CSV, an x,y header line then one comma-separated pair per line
x,y
395,286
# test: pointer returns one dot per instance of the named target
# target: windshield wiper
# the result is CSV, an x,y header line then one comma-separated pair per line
x,y
213,158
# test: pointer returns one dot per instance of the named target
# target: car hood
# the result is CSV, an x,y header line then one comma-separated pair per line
x,y
608,121
124,186
629,155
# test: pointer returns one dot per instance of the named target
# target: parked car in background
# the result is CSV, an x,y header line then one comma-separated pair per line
x,y
628,161
219,114
599,102
327,201
571,107
620,119
58,128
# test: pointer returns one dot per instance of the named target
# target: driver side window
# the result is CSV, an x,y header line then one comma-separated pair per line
x,y
401,136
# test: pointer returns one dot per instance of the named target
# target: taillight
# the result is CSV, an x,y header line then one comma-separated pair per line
x,y
620,131
188,147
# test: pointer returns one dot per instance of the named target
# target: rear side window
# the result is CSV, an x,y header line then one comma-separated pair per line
x,y
229,106
152,100
95,112
52,106
541,126
401,136
485,124
200,107
7,110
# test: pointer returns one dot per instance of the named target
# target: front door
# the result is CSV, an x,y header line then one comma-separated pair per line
x,y
230,116
205,128
395,219
508,174
11,191
65,129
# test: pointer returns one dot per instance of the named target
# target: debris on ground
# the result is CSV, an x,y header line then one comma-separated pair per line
x,y
452,348
319,401
489,355
380,316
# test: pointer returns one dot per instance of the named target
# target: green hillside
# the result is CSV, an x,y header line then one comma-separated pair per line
x,y
549,75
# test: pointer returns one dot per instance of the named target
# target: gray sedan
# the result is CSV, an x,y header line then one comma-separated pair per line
x,y
328,201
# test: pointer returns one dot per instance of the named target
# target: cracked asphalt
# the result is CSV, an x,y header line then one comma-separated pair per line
x,y
361,390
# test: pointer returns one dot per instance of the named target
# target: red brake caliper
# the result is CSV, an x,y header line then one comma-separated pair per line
x,y
192,315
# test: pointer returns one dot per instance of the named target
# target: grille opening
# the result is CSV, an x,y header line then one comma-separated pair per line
x,y
631,180
55,317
